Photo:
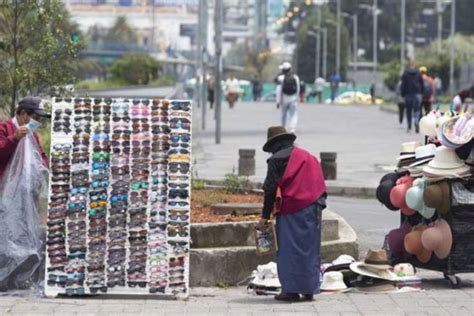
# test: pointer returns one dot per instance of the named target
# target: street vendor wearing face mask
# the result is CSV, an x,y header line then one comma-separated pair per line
x,y
299,178
28,115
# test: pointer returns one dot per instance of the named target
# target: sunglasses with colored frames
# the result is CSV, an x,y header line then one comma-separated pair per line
x,y
178,203
98,197
120,107
117,198
100,137
159,117
98,155
98,165
97,211
137,211
144,101
180,125
139,185
121,150
180,137
160,130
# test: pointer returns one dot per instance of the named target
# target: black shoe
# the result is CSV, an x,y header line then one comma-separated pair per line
x,y
307,298
287,297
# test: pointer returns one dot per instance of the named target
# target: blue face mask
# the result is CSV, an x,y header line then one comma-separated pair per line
x,y
33,125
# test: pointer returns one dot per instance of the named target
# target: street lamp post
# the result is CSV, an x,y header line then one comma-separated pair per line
x,y
318,45
354,36
452,51
338,37
325,52
375,28
402,37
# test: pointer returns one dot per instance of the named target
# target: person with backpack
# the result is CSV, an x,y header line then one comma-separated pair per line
x,y
411,90
287,94
428,97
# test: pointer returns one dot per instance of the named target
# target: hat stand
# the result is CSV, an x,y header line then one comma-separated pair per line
x,y
461,221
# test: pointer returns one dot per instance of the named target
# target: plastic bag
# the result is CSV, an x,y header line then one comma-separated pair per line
x,y
23,183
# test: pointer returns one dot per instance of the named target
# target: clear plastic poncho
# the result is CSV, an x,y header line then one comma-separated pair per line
x,y
21,186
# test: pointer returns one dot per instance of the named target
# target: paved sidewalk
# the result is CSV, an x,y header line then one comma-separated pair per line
x,y
437,299
366,139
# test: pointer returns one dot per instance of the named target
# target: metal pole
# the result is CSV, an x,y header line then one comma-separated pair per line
x,y
402,37
153,26
218,16
318,45
338,37
452,50
203,50
375,39
325,52
439,10
356,48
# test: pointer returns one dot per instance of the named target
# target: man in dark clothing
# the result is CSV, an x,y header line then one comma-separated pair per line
x,y
410,90
256,89
299,178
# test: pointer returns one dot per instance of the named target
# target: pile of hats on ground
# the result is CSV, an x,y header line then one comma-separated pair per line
x,y
420,187
373,274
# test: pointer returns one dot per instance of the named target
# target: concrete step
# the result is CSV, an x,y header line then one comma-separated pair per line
x,y
210,235
231,265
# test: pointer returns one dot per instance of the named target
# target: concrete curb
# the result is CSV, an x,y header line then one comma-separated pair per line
x,y
232,265
347,191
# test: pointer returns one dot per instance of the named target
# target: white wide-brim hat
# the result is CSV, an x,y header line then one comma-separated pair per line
x,y
407,150
383,272
333,281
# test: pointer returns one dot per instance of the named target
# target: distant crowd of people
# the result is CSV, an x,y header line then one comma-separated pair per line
x,y
418,91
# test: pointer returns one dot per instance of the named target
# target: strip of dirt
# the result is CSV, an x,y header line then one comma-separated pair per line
x,y
201,201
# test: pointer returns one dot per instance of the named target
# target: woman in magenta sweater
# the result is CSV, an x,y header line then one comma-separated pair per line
x,y
303,192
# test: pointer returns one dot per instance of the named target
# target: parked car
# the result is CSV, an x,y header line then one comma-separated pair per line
x,y
354,97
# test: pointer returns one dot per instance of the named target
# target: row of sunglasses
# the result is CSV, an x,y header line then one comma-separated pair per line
x,y
141,243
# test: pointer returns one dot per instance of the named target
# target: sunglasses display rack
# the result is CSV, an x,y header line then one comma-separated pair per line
x,y
119,202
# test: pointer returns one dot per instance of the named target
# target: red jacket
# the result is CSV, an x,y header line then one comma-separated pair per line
x,y
302,183
8,143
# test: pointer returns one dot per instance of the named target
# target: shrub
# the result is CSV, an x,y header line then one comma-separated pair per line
x,y
235,184
136,69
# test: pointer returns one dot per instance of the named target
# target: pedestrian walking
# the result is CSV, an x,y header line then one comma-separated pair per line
x,y
210,92
302,91
438,88
319,84
233,90
287,94
460,99
334,81
401,103
429,90
297,175
372,93
23,164
256,89
410,90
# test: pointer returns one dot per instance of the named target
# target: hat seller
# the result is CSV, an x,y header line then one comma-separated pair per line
x,y
298,176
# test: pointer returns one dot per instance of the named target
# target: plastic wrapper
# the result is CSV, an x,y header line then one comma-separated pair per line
x,y
22,185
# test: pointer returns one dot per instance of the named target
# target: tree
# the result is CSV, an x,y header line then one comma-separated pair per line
x,y
306,45
121,33
37,51
257,61
135,69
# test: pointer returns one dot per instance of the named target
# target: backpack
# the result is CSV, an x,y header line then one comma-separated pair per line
x,y
427,89
289,86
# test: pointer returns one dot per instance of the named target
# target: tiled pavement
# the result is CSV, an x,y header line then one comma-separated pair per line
x,y
436,299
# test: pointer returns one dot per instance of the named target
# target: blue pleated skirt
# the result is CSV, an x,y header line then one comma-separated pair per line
x,y
299,249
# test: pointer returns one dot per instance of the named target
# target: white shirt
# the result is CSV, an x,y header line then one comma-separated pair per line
x,y
319,84
232,85
283,98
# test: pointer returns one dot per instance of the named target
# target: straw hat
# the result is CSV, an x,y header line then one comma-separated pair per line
x,y
446,163
438,238
414,246
438,196
408,150
428,125
375,265
333,281
423,155
414,199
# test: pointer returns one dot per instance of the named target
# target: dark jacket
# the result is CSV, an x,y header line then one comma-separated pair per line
x,y
412,82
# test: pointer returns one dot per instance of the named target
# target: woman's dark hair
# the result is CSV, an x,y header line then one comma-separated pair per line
x,y
19,111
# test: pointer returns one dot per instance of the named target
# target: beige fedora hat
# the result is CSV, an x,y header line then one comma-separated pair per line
x,y
407,150
446,162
